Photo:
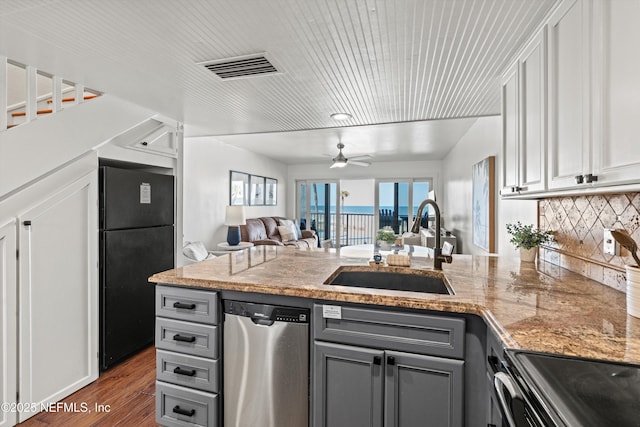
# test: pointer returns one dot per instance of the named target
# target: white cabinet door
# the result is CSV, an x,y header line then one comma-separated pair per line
x,y
8,321
569,143
58,325
510,132
524,121
616,88
533,110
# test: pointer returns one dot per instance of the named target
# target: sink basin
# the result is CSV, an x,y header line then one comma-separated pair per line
x,y
419,281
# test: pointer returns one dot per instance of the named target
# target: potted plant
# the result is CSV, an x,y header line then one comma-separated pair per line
x,y
527,239
385,236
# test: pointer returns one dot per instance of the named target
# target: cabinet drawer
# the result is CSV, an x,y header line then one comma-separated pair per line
x,y
178,406
413,333
189,371
187,337
187,304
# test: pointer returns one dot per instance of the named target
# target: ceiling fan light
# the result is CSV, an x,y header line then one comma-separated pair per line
x,y
339,163
341,116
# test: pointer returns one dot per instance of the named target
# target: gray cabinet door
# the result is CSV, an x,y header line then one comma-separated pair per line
x,y
348,386
423,391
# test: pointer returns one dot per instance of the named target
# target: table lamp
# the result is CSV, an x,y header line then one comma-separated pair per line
x,y
234,217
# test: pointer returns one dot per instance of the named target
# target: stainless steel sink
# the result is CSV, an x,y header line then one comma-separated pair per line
x,y
431,282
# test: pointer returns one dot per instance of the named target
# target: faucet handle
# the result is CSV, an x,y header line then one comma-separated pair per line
x,y
446,258
447,249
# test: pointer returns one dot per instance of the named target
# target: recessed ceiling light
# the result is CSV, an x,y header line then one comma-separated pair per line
x,y
340,116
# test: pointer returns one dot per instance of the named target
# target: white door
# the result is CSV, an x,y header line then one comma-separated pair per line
x,y
8,322
58,297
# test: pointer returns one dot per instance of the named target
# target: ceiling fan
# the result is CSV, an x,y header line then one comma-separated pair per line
x,y
341,161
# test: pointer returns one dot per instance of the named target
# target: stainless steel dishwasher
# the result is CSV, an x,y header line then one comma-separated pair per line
x,y
266,365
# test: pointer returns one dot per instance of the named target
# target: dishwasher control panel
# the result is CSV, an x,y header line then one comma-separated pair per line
x,y
267,312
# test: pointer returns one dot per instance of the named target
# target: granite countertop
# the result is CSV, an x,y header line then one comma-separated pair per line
x,y
539,307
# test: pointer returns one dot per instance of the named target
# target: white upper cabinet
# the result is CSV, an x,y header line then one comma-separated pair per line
x,y
510,126
570,103
524,121
569,141
616,91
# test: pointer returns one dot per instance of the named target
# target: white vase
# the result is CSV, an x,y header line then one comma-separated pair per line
x,y
633,290
528,255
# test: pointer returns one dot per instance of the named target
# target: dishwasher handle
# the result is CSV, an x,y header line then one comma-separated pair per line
x,y
262,321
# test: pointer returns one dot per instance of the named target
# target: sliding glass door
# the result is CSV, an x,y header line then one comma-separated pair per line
x,y
317,205
397,202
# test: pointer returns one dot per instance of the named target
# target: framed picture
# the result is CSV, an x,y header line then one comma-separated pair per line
x,y
271,191
483,204
238,188
257,190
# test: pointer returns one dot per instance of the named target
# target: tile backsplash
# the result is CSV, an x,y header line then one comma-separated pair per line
x,y
578,223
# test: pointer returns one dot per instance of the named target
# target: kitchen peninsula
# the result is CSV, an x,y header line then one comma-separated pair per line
x,y
497,302
538,307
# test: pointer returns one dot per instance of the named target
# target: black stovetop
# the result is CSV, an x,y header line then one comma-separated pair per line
x,y
580,392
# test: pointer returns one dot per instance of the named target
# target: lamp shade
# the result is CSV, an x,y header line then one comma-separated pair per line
x,y
234,216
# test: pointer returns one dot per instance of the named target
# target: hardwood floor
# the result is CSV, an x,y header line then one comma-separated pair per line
x,y
126,394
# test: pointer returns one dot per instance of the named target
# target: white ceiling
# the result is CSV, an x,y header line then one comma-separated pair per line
x,y
383,61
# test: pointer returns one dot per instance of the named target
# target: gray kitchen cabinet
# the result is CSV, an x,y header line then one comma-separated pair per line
x,y
348,386
419,388
187,360
404,368
358,386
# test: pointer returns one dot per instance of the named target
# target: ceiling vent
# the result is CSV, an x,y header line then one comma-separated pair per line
x,y
241,66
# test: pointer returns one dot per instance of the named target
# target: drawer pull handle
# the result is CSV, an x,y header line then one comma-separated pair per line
x,y
377,360
178,337
178,410
179,304
180,371
391,360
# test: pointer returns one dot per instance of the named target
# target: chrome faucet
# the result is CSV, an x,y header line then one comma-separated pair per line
x,y
437,250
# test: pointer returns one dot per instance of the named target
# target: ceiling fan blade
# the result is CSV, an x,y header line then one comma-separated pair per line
x,y
362,157
357,163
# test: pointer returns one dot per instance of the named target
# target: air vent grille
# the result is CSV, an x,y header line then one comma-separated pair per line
x,y
245,66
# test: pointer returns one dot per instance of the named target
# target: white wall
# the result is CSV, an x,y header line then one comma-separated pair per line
x,y
482,140
207,163
30,151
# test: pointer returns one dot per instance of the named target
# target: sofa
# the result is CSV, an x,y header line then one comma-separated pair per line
x,y
264,231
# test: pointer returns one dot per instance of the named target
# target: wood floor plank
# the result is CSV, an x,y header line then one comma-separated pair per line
x,y
121,396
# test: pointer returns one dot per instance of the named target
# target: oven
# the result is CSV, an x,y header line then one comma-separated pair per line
x,y
550,390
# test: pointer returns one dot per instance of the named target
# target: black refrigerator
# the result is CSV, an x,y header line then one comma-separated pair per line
x,y
136,241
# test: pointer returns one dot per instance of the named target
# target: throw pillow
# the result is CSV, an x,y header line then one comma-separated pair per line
x,y
295,225
298,231
287,233
286,222
195,251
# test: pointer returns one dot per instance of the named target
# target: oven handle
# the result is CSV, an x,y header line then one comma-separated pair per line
x,y
500,382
